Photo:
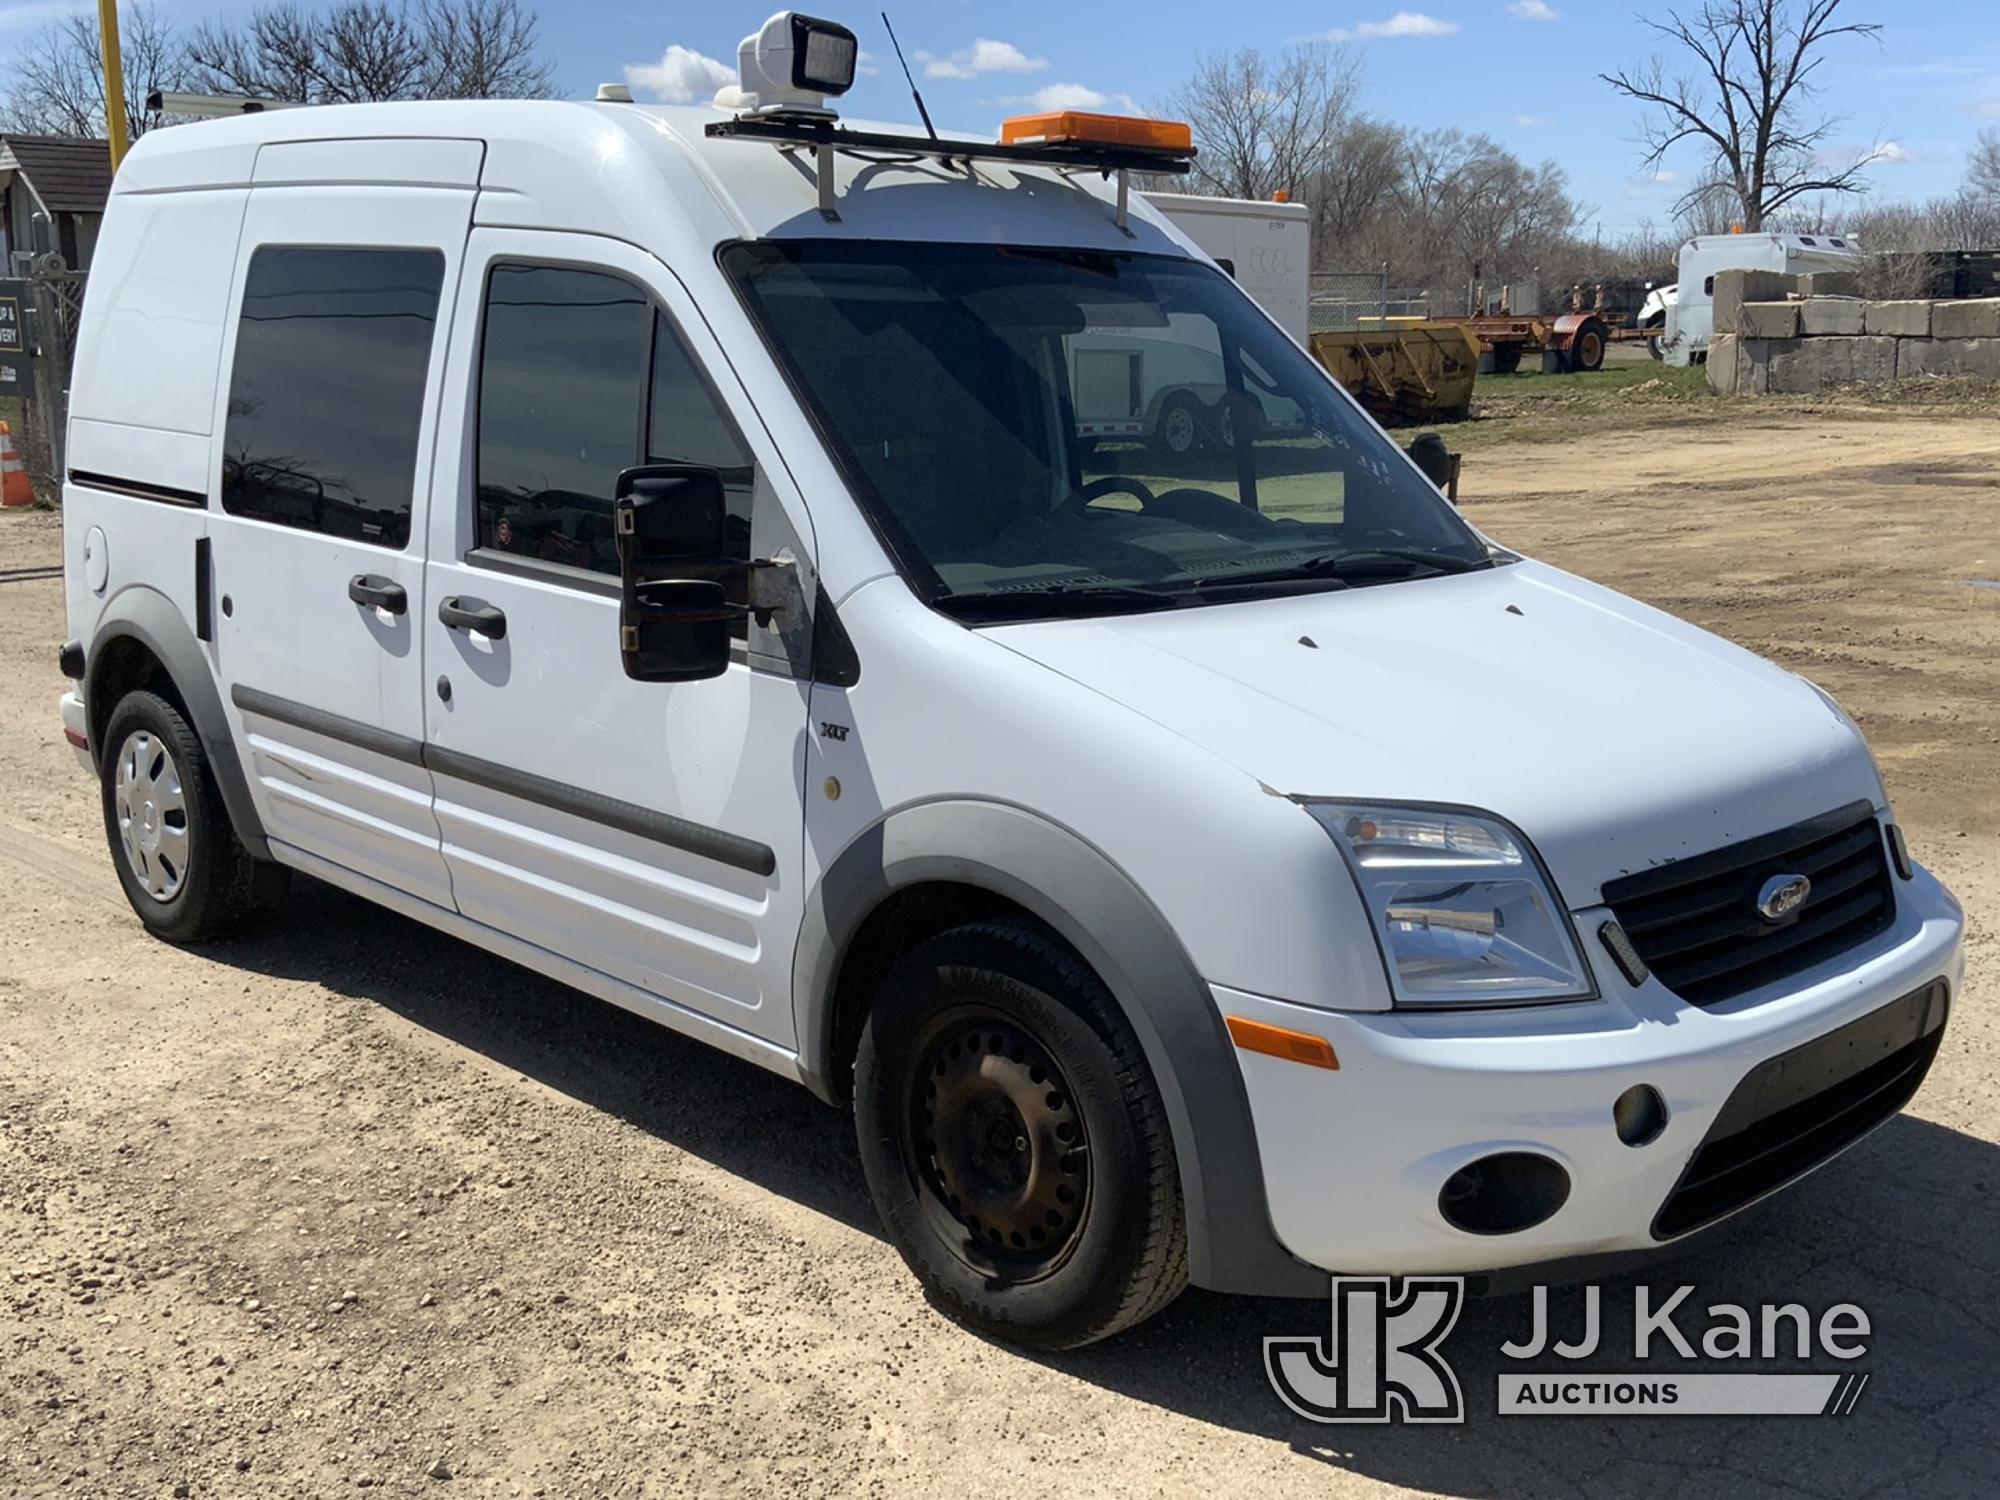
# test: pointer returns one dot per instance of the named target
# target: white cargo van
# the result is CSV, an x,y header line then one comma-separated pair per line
x,y
652,545
1684,313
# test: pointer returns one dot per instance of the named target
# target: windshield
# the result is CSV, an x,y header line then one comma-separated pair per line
x,y
1111,431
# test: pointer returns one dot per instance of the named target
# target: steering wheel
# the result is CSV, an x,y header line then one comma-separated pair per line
x,y
1111,484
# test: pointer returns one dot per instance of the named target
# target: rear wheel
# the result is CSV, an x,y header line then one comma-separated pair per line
x,y
1014,1140
1586,349
1178,432
177,856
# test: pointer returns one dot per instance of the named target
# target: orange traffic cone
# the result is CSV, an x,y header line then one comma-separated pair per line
x,y
14,486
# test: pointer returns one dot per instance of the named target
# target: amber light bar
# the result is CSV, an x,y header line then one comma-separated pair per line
x,y
1075,127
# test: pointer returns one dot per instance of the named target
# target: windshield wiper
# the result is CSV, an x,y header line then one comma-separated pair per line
x,y
1058,599
1358,563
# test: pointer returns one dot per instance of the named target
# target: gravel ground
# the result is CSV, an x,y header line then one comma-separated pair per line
x,y
346,1206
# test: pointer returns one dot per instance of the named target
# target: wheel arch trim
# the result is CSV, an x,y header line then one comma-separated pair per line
x,y
155,622
1088,901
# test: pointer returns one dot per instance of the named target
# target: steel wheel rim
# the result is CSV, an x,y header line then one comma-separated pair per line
x,y
1180,429
998,1146
152,814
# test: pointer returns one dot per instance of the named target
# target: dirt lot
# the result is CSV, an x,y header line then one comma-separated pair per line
x,y
346,1205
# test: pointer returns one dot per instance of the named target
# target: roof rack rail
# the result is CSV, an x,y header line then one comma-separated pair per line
x,y
824,138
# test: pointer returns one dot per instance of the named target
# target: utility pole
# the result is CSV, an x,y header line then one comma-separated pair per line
x,y
115,129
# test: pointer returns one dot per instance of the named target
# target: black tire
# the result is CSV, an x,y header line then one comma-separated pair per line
x,y
206,885
1586,348
1073,1228
1506,358
1178,433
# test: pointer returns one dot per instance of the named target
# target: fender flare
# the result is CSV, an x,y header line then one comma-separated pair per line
x,y
1095,907
153,620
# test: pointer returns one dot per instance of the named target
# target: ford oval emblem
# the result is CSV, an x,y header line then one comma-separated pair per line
x,y
1782,895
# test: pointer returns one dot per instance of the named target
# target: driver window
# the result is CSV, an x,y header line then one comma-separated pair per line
x,y
580,379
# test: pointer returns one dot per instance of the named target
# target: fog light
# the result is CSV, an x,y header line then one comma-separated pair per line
x,y
1504,1193
1639,1114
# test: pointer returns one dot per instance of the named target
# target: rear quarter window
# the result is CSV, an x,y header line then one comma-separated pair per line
x,y
333,350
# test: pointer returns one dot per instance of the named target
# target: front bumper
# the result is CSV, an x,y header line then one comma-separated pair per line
x,y
1354,1159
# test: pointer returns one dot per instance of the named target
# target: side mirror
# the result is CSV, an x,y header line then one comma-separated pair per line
x,y
1439,464
674,613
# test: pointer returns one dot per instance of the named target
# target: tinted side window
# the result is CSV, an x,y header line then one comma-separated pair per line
x,y
686,425
326,396
562,385
580,379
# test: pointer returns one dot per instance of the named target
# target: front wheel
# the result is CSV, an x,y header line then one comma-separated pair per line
x,y
177,856
1014,1140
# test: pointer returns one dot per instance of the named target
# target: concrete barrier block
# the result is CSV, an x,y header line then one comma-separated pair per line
x,y
1819,316
1753,363
1904,320
1977,319
1979,357
1830,284
1734,288
1802,366
1768,320
1874,359
1723,360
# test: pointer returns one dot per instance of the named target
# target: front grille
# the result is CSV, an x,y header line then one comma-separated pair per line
x,y
1695,922
1795,1110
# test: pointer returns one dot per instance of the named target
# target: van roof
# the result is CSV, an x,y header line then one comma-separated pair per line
x,y
649,173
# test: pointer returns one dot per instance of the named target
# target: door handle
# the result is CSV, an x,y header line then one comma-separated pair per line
x,y
377,592
469,614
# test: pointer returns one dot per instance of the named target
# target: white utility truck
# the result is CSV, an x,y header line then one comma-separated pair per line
x,y
1684,314
653,544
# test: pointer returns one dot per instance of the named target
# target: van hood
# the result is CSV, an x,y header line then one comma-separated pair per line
x,y
1614,736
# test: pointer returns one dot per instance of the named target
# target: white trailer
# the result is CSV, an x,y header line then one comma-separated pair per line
x,y
1267,247
1687,309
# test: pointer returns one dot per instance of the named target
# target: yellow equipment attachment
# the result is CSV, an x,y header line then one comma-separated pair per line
x,y
1404,370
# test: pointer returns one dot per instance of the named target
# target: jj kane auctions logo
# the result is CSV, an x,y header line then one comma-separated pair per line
x,y
1383,1360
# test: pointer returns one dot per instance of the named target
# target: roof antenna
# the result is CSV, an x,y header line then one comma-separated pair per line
x,y
923,113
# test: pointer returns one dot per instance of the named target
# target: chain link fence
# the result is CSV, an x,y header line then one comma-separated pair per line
x,y
1344,299
36,408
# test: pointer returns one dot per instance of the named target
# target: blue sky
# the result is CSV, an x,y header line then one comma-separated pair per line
x,y
1523,71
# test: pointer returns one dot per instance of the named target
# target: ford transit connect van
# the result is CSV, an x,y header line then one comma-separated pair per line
x,y
656,545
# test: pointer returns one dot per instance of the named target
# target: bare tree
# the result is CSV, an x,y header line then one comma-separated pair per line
x,y
55,80
365,50
1264,125
1747,97
483,49
1982,171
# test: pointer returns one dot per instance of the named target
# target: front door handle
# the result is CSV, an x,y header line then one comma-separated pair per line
x,y
378,592
469,614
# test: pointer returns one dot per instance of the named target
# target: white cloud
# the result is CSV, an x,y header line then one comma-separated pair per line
x,y
984,56
1987,109
681,76
1664,176
1893,154
1402,23
1534,10
1071,96
1531,122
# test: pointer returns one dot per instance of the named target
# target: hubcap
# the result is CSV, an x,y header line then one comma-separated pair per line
x,y
999,1146
1180,429
152,814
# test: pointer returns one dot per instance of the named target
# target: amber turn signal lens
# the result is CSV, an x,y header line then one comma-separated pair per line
x,y
1278,1041
1072,127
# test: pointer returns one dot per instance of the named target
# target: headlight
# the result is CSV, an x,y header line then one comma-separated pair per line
x,y
1462,908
